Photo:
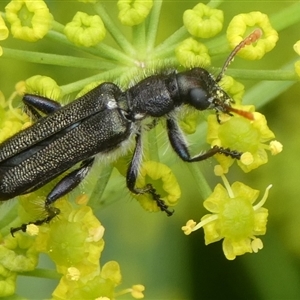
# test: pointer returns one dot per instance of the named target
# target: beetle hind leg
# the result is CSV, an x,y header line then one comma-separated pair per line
x,y
51,213
63,187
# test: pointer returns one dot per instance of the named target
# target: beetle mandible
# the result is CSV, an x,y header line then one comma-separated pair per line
x,y
100,122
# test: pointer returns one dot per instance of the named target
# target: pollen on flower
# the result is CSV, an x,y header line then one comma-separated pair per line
x,y
137,291
247,158
73,274
256,244
32,229
96,234
82,199
188,228
218,170
297,47
275,147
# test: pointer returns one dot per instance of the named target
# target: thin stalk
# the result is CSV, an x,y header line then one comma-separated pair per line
x,y
139,39
42,273
202,185
78,85
56,59
114,31
153,25
100,50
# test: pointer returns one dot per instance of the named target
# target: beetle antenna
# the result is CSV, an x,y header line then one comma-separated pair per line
x,y
251,38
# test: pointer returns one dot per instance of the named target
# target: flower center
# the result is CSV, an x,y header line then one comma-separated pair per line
x,y
239,134
25,16
237,219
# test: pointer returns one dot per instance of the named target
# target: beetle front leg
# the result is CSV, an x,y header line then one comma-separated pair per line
x,y
132,174
180,146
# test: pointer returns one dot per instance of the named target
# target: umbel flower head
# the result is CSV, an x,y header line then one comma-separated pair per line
x,y
234,218
242,134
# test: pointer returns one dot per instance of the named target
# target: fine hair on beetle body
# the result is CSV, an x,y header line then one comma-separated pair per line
x,y
104,121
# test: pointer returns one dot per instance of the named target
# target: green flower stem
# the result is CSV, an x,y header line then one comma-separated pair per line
x,y
42,273
202,185
9,219
275,75
153,25
139,39
99,187
164,53
286,17
214,3
101,49
263,92
58,27
172,40
114,31
56,59
78,85
153,153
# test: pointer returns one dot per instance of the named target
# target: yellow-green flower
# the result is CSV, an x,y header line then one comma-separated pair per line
x,y
136,291
30,20
133,12
85,30
241,25
7,282
191,53
12,119
297,63
234,218
164,181
190,120
18,254
3,32
44,86
243,135
203,21
82,249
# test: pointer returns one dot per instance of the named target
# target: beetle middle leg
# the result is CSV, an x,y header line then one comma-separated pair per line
x,y
63,187
132,174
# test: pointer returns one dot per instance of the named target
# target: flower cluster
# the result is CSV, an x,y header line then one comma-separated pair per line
x,y
74,240
233,218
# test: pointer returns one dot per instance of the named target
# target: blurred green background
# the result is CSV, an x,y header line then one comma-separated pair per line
x,y
151,248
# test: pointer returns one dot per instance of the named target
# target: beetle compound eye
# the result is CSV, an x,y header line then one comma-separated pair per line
x,y
198,98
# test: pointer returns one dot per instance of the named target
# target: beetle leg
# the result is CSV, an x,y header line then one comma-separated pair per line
x,y
64,186
69,182
35,104
132,174
180,146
